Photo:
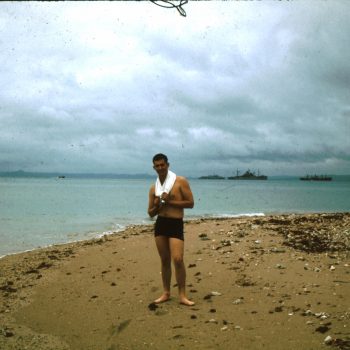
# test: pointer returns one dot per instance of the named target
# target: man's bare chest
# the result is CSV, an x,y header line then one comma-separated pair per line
x,y
175,192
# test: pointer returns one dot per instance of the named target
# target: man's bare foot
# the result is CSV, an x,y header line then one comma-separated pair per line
x,y
186,302
164,297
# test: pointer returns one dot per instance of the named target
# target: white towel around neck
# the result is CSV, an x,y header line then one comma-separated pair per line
x,y
167,184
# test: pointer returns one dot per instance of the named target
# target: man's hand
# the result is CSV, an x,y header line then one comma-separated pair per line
x,y
156,201
153,203
164,197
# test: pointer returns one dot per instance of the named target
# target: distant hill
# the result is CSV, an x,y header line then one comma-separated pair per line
x,y
23,174
212,177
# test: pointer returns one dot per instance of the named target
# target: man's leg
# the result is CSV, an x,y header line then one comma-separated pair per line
x,y
162,243
177,254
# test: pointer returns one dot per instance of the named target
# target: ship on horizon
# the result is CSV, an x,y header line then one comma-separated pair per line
x,y
316,178
248,175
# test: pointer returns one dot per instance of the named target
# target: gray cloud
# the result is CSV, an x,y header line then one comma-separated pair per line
x,y
254,85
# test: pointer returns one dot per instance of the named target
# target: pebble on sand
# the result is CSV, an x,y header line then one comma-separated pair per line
x,y
328,340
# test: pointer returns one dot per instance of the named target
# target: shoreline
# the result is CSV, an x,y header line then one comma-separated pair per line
x,y
122,228
98,234
253,279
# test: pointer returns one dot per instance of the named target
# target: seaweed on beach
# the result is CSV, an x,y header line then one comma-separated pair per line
x,y
317,233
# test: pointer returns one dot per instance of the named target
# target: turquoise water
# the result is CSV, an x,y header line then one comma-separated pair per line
x,y
38,212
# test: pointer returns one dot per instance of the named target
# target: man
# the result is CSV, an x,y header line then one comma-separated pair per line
x,y
168,198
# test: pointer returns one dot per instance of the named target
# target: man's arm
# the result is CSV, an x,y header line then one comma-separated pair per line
x,y
187,196
153,203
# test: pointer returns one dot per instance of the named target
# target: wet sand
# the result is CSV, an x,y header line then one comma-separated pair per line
x,y
274,282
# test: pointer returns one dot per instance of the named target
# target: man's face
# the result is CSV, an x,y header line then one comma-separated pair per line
x,y
161,167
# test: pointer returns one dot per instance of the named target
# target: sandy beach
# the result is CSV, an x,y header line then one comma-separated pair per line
x,y
273,282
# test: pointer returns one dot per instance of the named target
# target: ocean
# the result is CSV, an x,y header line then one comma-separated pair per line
x,y
38,212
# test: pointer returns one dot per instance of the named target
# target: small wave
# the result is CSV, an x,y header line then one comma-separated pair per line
x,y
121,227
240,215
220,216
116,229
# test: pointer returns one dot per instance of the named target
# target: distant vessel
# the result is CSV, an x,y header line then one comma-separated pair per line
x,y
316,178
248,175
61,176
212,177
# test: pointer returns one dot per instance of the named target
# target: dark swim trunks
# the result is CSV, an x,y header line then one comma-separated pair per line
x,y
169,227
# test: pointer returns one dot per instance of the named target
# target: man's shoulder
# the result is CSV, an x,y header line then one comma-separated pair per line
x,y
181,179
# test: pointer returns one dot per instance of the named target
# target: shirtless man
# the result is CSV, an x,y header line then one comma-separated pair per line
x,y
169,227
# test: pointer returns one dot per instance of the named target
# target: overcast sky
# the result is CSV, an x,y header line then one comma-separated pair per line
x,y
103,86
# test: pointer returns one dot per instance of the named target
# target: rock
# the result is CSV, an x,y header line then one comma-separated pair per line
x,y
322,315
244,281
226,242
278,250
280,266
328,340
278,309
214,293
6,332
322,329
307,313
203,237
153,306
237,301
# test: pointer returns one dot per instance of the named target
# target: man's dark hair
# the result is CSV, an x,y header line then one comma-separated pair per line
x,y
160,156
